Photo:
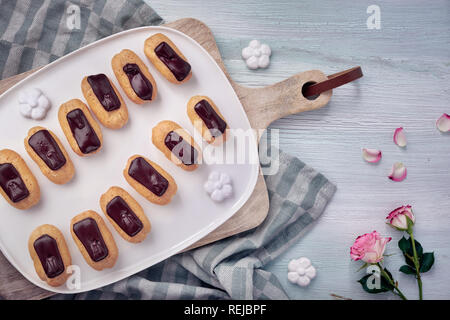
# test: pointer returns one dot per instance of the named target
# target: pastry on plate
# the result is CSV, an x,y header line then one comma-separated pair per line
x,y
105,101
207,119
46,150
94,240
167,58
125,214
134,77
50,254
80,128
176,144
150,180
17,183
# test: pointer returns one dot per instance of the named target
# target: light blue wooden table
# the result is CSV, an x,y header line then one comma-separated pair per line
x,y
407,71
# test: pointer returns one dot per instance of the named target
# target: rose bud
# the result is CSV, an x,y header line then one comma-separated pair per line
x,y
398,218
369,247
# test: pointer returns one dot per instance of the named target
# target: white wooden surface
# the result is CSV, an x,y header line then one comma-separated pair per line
x,y
406,83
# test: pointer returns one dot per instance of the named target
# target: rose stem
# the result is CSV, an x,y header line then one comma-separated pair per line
x,y
386,276
416,263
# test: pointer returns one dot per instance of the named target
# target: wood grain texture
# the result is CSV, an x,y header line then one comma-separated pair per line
x,y
267,104
406,68
262,106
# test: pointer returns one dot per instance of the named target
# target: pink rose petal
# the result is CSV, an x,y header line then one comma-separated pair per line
x,y
398,172
443,123
371,155
399,137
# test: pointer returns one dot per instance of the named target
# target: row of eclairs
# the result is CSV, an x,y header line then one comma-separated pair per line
x,y
47,245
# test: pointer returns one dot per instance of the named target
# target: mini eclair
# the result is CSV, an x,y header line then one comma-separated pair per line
x,y
167,58
125,214
105,101
150,180
46,150
134,77
50,255
207,119
94,240
176,144
80,128
17,183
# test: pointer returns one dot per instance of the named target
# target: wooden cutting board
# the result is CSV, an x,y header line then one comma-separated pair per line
x,y
262,105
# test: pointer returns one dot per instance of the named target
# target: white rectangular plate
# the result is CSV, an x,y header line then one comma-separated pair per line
x,y
190,216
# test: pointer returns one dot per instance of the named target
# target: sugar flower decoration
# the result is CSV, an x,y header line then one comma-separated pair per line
x,y
257,55
33,104
301,271
219,186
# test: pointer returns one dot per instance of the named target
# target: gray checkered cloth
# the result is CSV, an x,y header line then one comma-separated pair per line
x,y
34,33
233,268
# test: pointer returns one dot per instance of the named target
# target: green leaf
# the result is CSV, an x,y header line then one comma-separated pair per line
x,y
427,261
404,244
409,259
407,269
364,281
384,284
419,249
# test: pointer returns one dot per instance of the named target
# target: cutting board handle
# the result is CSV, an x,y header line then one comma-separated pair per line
x,y
267,104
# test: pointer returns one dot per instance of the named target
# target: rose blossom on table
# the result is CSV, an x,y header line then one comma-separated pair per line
x,y
398,218
416,260
369,247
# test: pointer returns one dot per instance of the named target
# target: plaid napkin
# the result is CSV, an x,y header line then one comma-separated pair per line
x,y
34,33
233,268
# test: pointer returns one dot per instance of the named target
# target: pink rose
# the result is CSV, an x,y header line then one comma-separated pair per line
x,y
398,217
369,247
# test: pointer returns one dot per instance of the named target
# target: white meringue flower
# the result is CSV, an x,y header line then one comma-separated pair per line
x,y
301,271
33,104
257,55
218,186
